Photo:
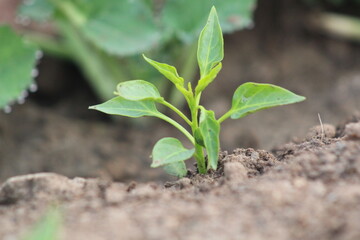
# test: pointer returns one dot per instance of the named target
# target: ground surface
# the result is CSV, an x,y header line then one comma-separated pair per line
x,y
306,190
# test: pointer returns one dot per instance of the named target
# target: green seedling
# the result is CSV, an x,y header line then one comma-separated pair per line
x,y
138,98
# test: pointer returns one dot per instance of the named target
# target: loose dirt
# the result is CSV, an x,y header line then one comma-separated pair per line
x,y
308,189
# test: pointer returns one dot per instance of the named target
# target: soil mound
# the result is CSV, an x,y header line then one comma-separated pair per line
x,y
307,189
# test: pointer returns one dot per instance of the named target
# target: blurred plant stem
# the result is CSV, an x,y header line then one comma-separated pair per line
x,y
337,24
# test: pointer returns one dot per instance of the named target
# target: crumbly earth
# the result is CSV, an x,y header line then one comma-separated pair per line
x,y
308,189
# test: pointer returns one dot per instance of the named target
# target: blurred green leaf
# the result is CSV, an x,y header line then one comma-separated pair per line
x,y
17,61
185,18
121,27
48,227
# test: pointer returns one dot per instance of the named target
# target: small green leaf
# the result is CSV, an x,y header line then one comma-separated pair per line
x,y
210,130
177,169
211,45
48,227
251,97
169,150
128,108
199,138
205,81
168,71
17,61
137,90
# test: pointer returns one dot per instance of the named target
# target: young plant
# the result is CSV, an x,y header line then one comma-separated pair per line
x,y
138,98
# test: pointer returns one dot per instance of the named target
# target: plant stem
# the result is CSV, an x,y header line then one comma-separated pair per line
x,y
225,116
178,126
176,110
70,11
101,70
94,69
200,159
199,153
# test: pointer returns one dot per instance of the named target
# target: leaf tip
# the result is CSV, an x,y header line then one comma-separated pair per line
x,y
213,9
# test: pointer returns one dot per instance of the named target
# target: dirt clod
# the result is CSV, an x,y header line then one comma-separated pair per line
x,y
352,131
235,171
321,131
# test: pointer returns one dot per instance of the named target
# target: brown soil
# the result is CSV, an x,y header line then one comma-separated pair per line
x,y
306,190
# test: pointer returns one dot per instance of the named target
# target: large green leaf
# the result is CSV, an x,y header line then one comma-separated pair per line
x,y
38,10
211,45
251,97
169,150
210,131
17,61
123,27
137,90
233,15
168,71
128,108
177,169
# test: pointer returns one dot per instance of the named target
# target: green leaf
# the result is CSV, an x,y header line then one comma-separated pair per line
x,y
205,81
251,97
128,108
17,61
233,15
123,27
47,228
137,90
210,131
211,45
177,169
169,150
168,71
38,10
199,138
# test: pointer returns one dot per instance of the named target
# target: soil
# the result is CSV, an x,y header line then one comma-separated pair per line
x,y
303,190
308,188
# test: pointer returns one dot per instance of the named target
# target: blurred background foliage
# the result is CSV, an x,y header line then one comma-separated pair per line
x,y
106,38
